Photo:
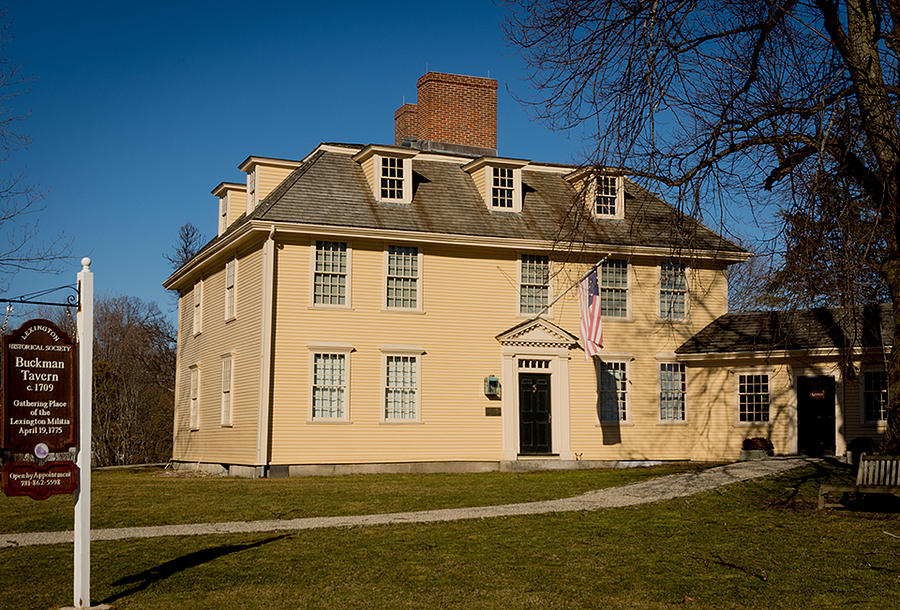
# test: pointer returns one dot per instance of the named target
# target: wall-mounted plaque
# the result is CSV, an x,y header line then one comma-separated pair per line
x,y
39,390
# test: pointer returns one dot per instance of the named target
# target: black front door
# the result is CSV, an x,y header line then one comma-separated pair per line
x,y
534,413
815,415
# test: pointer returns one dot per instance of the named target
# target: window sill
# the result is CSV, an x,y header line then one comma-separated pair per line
x,y
612,422
321,421
534,316
673,422
331,307
226,425
684,321
401,422
231,319
751,424
402,310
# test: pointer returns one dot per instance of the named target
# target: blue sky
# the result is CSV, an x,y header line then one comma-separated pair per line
x,y
137,111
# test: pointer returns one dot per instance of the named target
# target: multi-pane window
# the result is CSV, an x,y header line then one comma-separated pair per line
x,y
534,290
672,388
227,366
391,178
401,387
330,276
223,214
612,391
230,279
251,190
502,188
198,307
329,387
672,291
403,277
605,203
614,288
195,398
753,397
875,396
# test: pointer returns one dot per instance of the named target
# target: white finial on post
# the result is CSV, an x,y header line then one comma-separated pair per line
x,y
85,263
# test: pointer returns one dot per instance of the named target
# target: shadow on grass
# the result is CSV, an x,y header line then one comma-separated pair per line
x,y
142,580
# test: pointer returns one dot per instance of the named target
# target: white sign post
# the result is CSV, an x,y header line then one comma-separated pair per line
x,y
85,383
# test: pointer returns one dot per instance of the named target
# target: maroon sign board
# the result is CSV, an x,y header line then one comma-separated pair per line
x,y
39,403
39,481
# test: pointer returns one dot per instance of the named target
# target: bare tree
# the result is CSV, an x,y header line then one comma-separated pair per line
x,y
712,98
187,244
22,245
134,381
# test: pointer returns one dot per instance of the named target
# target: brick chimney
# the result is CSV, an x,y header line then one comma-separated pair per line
x,y
452,109
406,123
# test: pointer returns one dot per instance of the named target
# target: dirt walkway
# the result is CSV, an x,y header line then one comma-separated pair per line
x,y
662,488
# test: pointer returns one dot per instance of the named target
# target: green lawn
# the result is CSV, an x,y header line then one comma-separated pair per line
x,y
757,544
122,498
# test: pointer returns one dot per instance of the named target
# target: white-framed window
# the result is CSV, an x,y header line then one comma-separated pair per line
x,y
534,283
502,188
402,378
608,197
612,391
331,267
673,291
402,280
223,213
231,289
194,408
227,388
392,178
874,396
613,277
251,190
198,307
752,389
330,384
672,391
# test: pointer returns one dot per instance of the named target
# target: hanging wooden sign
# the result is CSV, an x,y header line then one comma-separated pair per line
x,y
39,403
39,481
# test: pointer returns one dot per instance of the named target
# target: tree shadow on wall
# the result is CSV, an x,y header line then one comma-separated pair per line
x,y
145,579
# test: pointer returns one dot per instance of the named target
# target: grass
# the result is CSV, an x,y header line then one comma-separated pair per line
x,y
137,497
753,544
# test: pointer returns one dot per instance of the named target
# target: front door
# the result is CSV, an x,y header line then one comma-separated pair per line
x,y
534,414
815,415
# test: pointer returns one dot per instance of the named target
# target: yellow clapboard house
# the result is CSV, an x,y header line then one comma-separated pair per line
x,y
404,308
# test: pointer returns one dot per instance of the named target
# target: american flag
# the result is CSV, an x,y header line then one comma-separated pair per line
x,y
591,329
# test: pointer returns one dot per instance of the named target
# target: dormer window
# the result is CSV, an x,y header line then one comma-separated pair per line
x,y
503,188
388,169
251,191
223,214
392,179
499,181
608,198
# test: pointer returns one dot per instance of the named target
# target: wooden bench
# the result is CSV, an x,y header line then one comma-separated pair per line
x,y
876,475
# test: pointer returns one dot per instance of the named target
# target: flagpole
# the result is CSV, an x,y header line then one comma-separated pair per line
x,y
571,286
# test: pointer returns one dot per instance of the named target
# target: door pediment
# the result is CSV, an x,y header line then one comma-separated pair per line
x,y
538,333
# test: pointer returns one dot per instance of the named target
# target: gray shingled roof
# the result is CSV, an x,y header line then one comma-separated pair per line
x,y
794,330
331,189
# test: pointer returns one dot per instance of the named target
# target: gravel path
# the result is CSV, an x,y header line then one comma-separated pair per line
x,y
662,488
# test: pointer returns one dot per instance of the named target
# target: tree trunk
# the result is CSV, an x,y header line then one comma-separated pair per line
x,y
891,442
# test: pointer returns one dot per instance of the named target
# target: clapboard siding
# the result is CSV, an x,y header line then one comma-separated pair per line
x,y
470,295
241,337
